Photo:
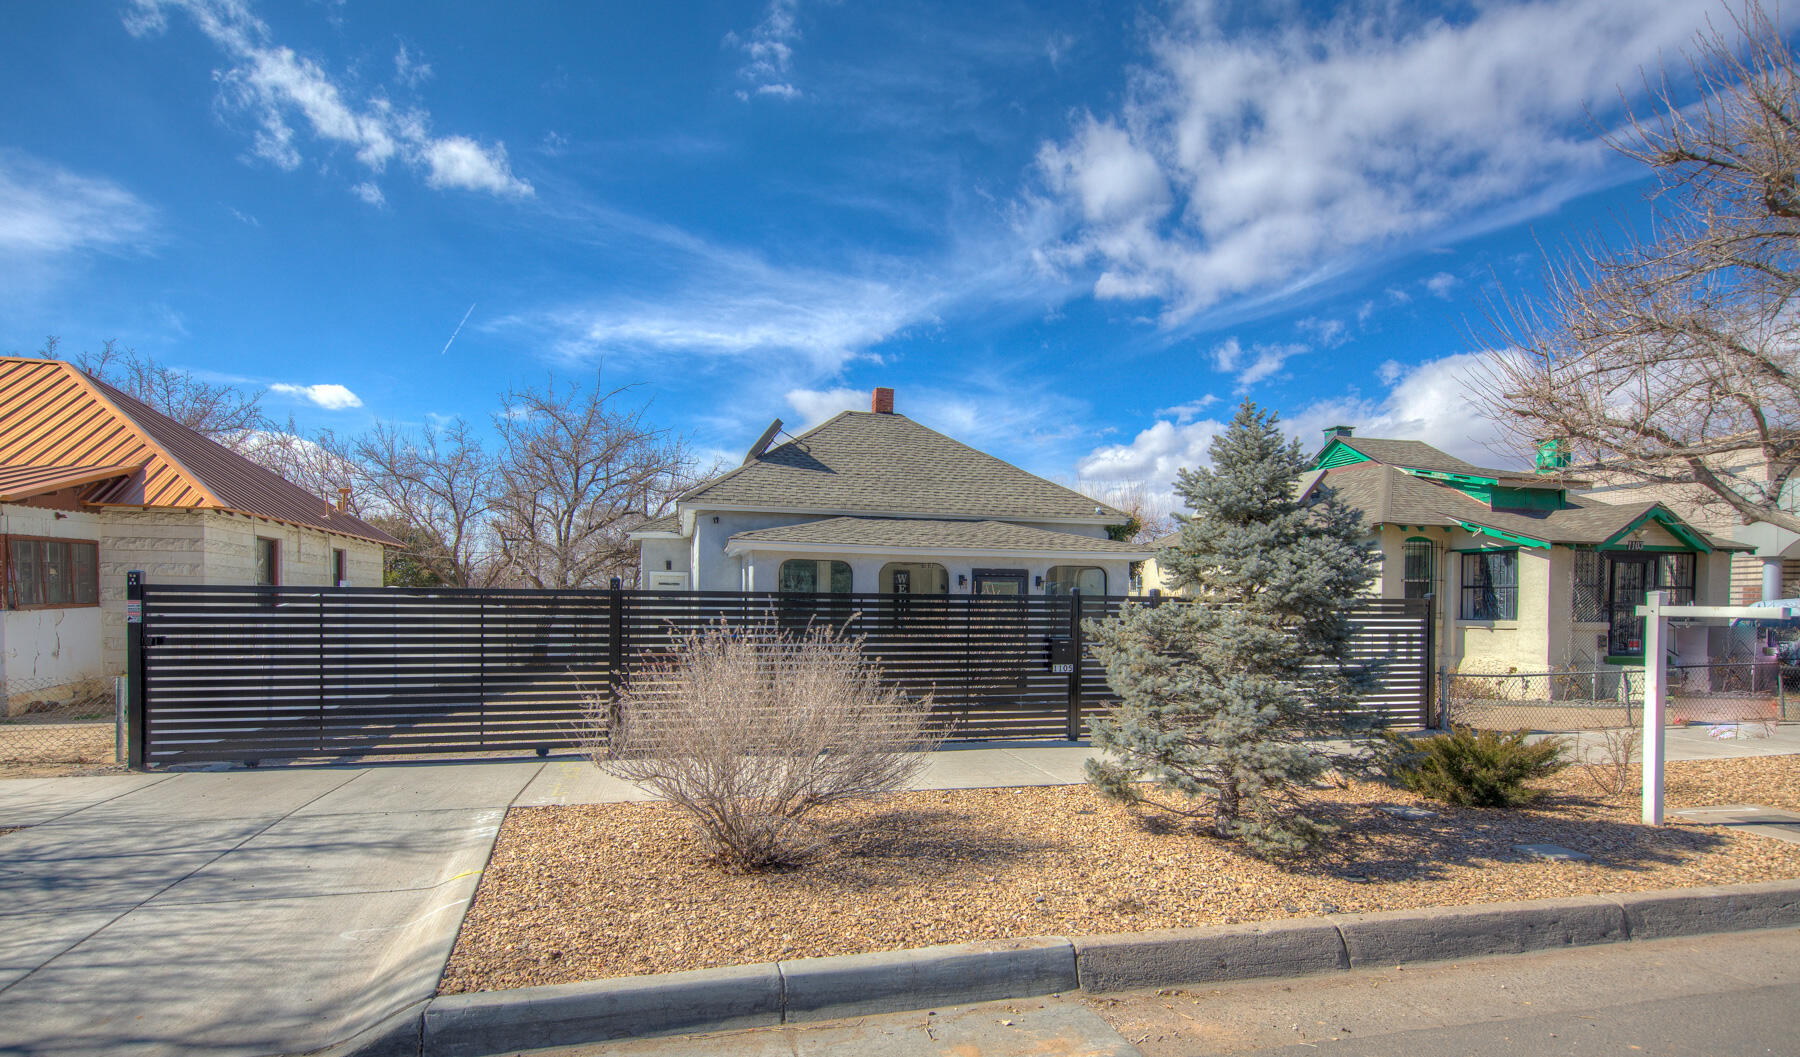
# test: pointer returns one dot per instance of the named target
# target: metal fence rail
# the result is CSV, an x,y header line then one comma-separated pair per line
x,y
1737,691
247,674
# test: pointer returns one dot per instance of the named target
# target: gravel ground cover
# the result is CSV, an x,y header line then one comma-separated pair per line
x,y
583,892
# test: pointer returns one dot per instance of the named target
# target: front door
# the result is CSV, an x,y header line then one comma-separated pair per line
x,y
1631,577
1009,582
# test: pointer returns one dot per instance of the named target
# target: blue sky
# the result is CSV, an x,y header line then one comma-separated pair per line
x,y
1072,234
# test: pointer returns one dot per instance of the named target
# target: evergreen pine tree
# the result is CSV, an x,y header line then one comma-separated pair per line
x,y
1223,700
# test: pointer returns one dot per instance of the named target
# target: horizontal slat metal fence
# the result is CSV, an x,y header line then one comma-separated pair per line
x,y
244,673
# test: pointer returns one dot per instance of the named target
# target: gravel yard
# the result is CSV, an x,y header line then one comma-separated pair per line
x,y
576,893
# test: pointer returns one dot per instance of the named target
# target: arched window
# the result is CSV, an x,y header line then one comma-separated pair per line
x,y
1061,579
914,578
806,576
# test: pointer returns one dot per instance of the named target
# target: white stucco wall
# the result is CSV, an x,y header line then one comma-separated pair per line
x,y
865,569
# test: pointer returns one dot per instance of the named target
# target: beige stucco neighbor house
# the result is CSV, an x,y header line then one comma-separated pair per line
x,y
94,483
871,501
1527,577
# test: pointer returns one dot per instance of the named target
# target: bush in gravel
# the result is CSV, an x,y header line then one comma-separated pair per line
x,y
1483,768
750,730
1226,701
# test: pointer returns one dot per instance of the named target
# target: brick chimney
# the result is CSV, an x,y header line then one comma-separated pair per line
x,y
882,403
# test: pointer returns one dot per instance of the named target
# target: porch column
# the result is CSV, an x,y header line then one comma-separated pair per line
x,y
1771,579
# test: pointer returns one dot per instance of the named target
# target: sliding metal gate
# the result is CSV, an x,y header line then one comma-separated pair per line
x,y
252,674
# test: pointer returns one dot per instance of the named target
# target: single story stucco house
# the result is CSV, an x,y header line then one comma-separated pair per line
x,y
94,483
1526,576
872,501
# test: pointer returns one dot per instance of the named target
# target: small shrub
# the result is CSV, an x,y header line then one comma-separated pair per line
x,y
1483,768
1609,763
750,730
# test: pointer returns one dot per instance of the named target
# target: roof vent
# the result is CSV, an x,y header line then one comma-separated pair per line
x,y
762,442
882,402
1333,432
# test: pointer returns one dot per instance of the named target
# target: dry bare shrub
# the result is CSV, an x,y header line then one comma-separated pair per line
x,y
749,730
1609,763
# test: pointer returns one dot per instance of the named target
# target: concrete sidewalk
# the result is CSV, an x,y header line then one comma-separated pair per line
x,y
245,912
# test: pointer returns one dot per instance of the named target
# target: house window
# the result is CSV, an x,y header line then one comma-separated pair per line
x,y
44,573
340,568
1088,579
1418,577
1490,585
1589,587
1675,574
805,576
914,578
268,562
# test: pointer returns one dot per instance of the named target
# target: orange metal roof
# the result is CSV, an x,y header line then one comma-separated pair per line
x,y
54,417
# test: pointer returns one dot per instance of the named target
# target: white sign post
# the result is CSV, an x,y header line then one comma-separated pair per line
x,y
1656,612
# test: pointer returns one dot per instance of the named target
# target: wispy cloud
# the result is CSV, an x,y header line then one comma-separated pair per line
x,y
328,395
1441,284
274,85
46,210
1256,363
409,69
1257,151
769,52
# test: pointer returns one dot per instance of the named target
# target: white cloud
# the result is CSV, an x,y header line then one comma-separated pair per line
x,y
1441,284
1291,147
272,84
1429,402
1154,455
1254,364
369,192
816,405
1390,371
769,52
1327,333
48,210
1184,413
408,70
328,395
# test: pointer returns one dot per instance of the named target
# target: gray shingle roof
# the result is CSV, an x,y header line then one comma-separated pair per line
x,y
861,462
1390,496
1421,456
930,534
666,523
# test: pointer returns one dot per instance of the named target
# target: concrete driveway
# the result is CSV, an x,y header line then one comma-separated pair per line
x,y
246,912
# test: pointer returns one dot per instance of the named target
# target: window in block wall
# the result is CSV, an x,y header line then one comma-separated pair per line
x,y
340,568
268,562
48,573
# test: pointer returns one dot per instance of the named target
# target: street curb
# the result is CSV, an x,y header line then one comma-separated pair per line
x,y
488,1022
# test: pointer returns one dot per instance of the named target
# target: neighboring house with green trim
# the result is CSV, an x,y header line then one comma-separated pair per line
x,y
1528,577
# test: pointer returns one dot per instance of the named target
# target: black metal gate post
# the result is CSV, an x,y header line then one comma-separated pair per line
x,y
615,652
1429,663
134,668
1075,669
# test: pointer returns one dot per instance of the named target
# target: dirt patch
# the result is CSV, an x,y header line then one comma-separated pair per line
x,y
576,893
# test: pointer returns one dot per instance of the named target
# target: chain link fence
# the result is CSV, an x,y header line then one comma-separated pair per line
x,y
45,725
1744,693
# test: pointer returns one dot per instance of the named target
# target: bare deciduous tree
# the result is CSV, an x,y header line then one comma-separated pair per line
x,y
221,412
1675,359
439,485
751,730
575,472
